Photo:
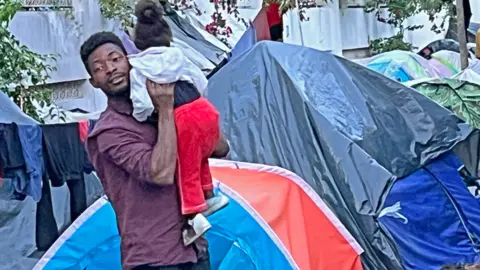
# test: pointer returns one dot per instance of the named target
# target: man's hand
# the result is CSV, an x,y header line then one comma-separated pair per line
x,y
222,148
161,94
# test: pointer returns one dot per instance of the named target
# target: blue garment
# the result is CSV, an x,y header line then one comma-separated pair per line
x,y
31,140
7,190
12,160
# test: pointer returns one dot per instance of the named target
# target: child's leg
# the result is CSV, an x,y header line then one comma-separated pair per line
x,y
189,163
210,141
206,176
214,203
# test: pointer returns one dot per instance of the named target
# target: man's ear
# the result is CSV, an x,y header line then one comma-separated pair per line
x,y
93,82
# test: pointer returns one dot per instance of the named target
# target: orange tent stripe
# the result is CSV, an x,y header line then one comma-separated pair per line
x,y
311,238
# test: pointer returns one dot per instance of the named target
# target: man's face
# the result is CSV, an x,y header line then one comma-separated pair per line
x,y
109,70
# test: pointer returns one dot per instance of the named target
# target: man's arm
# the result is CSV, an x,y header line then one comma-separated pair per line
x,y
130,152
222,148
164,156
137,157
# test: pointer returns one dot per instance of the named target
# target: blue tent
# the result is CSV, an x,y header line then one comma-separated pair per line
x,y
398,73
432,216
92,242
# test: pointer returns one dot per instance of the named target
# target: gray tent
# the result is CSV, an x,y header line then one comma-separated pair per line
x,y
185,32
348,131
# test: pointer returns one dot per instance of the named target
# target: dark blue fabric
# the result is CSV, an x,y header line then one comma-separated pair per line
x,y
12,161
31,141
468,206
434,200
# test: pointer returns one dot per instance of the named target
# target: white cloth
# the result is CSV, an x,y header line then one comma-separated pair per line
x,y
197,58
161,65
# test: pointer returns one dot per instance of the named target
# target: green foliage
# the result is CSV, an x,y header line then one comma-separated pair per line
x,y
461,97
117,9
398,11
383,45
20,68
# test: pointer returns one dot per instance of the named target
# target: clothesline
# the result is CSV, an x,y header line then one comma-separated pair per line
x,y
27,152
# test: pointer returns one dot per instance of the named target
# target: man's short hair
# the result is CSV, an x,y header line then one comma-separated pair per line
x,y
96,40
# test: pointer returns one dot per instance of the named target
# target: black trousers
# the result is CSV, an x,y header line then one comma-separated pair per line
x,y
200,265
46,226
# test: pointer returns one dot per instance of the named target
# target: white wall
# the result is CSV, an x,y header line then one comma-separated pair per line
x,y
475,5
332,29
51,32
320,31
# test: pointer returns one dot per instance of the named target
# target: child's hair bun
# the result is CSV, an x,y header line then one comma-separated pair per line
x,y
148,12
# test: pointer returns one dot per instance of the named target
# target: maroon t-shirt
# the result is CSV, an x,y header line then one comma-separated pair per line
x,y
148,215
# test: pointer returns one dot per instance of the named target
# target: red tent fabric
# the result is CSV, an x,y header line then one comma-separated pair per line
x,y
262,28
314,238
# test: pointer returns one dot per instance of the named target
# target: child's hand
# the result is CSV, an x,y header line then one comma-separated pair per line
x,y
161,94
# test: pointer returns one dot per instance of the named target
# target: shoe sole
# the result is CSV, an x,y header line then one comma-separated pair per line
x,y
197,235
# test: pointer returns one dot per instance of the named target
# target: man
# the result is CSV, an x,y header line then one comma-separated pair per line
x,y
136,163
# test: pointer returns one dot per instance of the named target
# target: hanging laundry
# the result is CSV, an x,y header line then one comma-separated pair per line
x,y
12,160
83,129
31,141
7,189
65,158
46,229
63,153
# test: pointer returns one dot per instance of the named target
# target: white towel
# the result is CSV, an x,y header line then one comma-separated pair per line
x,y
161,65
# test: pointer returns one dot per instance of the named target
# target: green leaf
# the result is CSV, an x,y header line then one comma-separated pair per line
x,y
462,98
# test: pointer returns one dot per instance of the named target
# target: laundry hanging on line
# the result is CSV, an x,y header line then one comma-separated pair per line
x,y
24,149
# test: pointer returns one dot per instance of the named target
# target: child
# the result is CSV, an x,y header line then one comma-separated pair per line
x,y
196,119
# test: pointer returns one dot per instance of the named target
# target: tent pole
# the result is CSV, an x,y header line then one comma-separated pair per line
x,y
462,35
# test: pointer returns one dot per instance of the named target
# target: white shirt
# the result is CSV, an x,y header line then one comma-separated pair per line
x,y
162,65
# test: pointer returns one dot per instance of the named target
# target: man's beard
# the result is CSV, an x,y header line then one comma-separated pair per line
x,y
123,92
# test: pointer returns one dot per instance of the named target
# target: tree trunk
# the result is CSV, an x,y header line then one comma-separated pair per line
x,y
462,34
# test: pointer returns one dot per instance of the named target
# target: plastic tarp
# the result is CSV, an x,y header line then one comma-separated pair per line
x,y
10,112
460,96
475,66
257,230
404,66
468,75
452,59
438,227
348,131
245,43
184,31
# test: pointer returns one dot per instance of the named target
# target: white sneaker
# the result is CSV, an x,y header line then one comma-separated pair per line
x,y
214,204
198,226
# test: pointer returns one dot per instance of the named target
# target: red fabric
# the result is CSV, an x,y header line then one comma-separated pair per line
x,y
198,131
260,23
273,14
83,130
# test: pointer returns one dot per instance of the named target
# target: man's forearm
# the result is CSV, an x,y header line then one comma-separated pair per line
x,y
222,148
164,156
